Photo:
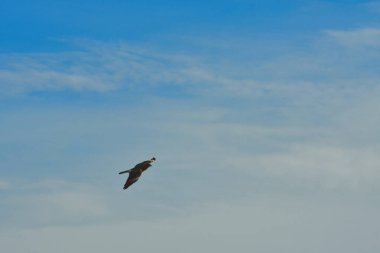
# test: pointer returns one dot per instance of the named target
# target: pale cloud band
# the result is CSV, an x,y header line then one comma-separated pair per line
x,y
357,38
107,67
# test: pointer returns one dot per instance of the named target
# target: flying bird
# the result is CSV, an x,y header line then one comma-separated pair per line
x,y
135,172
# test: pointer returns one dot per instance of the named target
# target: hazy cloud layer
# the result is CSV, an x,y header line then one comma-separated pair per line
x,y
271,224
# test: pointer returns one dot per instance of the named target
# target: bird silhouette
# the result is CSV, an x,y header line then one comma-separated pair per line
x,y
135,172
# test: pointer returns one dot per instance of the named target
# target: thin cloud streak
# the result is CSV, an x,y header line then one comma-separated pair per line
x,y
99,68
364,37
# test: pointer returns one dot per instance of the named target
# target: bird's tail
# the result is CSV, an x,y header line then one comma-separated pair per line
x,y
125,171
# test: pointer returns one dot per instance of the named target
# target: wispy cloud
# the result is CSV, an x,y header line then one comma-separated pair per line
x,y
103,67
363,37
23,74
96,67
106,67
51,202
4,184
327,166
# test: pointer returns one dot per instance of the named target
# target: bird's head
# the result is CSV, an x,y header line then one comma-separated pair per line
x,y
153,159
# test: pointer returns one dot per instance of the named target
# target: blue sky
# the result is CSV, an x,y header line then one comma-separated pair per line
x,y
263,116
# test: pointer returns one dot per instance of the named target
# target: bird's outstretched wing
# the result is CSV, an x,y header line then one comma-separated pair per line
x,y
134,175
125,171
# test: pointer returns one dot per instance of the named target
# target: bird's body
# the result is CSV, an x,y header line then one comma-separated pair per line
x,y
135,172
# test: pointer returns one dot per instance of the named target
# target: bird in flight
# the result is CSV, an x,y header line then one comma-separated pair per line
x,y
135,172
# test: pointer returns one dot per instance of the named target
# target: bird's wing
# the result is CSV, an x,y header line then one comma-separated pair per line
x,y
132,178
125,171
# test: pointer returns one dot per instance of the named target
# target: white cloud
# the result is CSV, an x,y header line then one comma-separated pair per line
x,y
105,67
357,38
331,167
53,202
97,67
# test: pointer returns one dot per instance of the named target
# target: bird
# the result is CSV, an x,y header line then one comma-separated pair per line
x,y
135,172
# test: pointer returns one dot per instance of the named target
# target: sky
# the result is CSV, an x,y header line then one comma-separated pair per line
x,y
263,117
